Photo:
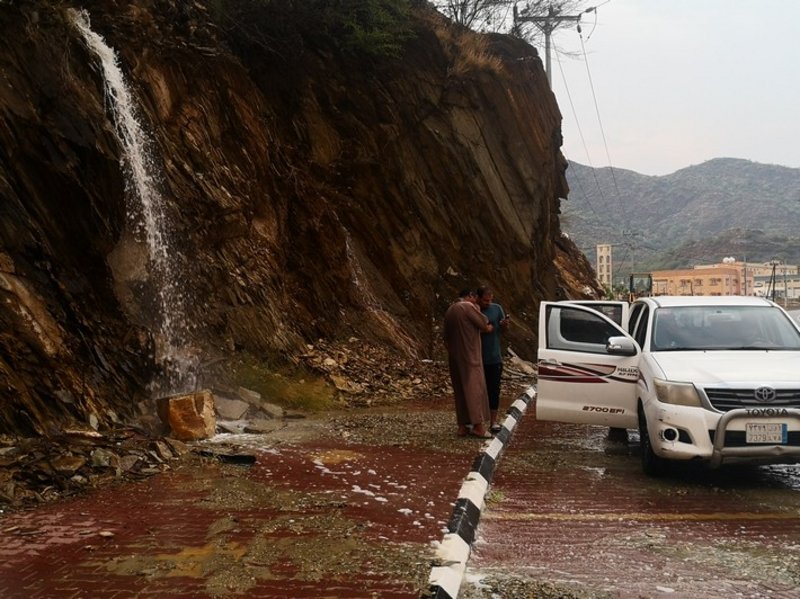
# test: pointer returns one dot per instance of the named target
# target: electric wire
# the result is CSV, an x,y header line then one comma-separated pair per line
x,y
583,141
624,217
594,171
602,131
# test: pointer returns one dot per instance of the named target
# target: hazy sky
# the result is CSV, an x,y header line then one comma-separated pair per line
x,y
679,82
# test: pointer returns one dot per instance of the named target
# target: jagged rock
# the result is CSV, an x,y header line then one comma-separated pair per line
x,y
234,428
105,458
190,416
68,464
178,448
272,410
230,409
342,384
128,462
248,395
163,450
262,426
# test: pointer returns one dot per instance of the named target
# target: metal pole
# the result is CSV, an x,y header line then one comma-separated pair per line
x,y
744,238
547,58
547,25
785,288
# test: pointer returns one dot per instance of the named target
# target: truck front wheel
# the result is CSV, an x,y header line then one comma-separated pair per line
x,y
652,465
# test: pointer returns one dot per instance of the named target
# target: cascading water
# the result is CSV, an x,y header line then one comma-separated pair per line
x,y
146,212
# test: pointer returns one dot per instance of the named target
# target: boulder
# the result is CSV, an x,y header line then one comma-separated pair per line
x,y
189,416
231,409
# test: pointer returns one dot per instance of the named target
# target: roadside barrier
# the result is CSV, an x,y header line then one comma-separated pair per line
x,y
450,562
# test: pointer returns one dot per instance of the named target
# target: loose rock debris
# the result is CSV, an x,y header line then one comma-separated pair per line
x,y
38,470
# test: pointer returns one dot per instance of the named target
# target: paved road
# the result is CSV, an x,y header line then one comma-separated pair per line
x,y
344,506
571,514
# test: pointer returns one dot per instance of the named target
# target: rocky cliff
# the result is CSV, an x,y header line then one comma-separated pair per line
x,y
305,192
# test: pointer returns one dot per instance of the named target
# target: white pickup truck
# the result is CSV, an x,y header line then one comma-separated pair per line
x,y
714,379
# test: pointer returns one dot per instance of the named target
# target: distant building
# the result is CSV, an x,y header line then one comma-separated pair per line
x,y
604,267
730,277
782,283
720,280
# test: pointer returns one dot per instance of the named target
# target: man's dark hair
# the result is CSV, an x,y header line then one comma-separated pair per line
x,y
465,292
481,291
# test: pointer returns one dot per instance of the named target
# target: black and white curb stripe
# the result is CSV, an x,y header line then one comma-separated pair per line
x,y
453,552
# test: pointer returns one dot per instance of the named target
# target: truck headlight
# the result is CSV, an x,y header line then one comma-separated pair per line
x,y
679,394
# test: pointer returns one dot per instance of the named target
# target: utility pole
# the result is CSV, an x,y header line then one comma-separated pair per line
x,y
548,25
785,289
773,279
744,267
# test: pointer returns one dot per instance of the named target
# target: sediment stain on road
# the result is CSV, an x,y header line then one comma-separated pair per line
x,y
642,516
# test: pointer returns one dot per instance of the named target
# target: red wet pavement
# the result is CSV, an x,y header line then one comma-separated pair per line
x,y
331,518
574,509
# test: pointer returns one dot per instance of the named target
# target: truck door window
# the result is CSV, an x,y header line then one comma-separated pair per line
x,y
578,330
636,310
640,332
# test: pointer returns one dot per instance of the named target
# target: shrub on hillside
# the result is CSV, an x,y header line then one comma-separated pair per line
x,y
287,27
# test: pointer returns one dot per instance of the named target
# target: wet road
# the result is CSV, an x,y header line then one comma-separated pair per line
x,y
569,514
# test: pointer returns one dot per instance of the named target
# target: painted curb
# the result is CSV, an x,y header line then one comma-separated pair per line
x,y
450,562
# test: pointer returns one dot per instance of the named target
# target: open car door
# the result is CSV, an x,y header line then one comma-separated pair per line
x,y
616,310
588,367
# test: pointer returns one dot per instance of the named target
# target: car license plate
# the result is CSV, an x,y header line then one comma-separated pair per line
x,y
766,432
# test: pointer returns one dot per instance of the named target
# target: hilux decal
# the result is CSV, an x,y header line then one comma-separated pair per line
x,y
587,373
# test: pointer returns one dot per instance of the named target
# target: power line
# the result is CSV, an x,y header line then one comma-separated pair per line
x,y
602,131
583,141
548,24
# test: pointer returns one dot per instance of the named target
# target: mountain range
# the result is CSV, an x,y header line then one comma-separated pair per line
x,y
696,215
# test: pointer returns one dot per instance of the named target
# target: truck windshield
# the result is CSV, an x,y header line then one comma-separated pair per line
x,y
723,328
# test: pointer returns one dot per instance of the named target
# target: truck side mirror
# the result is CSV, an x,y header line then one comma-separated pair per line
x,y
621,346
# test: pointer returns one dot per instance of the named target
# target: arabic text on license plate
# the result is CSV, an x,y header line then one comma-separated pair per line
x,y
766,432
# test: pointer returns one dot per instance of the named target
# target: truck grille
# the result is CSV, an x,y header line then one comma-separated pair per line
x,y
731,399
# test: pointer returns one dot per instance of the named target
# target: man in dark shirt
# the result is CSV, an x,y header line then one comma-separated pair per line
x,y
490,349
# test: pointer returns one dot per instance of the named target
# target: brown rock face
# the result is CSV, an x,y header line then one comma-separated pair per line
x,y
309,193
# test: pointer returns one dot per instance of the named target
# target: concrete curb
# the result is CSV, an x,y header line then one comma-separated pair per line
x,y
453,552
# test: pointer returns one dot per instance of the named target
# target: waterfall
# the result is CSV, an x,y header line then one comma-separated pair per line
x,y
145,206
